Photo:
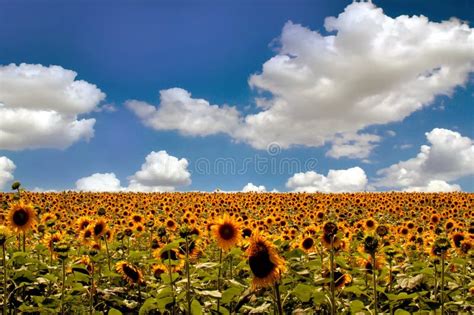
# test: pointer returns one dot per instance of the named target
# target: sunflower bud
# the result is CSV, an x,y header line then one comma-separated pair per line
x,y
16,185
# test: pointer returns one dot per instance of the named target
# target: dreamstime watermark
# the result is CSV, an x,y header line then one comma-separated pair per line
x,y
269,163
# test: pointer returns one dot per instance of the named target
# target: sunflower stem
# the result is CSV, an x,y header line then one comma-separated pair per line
x,y
91,298
108,253
24,241
331,262
63,278
374,279
442,284
219,279
5,295
389,289
170,273
278,298
188,277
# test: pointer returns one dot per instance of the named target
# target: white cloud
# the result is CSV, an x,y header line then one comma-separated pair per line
x,y
435,186
251,187
371,69
190,116
353,145
352,179
99,182
39,107
7,167
449,156
160,172
374,69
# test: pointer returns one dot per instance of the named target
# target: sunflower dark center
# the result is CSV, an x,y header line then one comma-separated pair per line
x,y
169,255
260,263
247,232
226,231
458,238
370,224
131,273
84,225
21,217
308,243
98,228
330,229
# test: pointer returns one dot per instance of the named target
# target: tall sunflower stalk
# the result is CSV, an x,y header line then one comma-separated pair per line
x,y
4,233
228,234
267,267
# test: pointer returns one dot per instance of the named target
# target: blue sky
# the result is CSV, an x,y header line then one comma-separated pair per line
x,y
132,50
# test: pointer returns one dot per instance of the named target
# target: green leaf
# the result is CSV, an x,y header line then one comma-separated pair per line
x,y
196,308
114,311
230,293
357,306
173,245
148,306
401,312
303,292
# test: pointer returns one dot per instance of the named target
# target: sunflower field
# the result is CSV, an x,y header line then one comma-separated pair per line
x,y
236,253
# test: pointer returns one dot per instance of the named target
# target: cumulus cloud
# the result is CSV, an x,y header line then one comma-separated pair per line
x,y
371,69
40,107
99,182
7,167
353,145
349,180
251,187
190,116
448,156
435,186
160,172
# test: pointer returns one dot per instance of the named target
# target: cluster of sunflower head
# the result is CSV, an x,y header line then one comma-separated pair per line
x,y
312,222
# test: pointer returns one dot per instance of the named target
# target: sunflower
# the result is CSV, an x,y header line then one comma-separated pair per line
x,y
330,235
129,272
83,223
157,270
171,225
51,239
99,227
265,263
227,232
21,217
87,235
307,244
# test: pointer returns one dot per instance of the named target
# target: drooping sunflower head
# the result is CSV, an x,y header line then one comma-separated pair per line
x,y
227,232
266,265
129,272
21,217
